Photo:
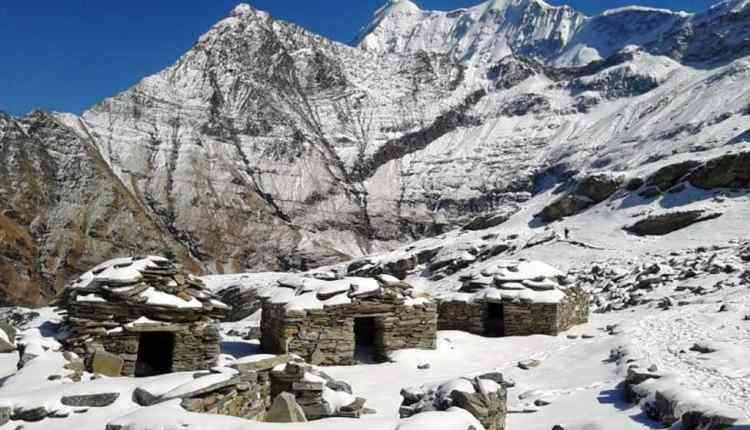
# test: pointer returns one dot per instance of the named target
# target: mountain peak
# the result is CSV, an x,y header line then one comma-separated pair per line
x,y
397,7
242,9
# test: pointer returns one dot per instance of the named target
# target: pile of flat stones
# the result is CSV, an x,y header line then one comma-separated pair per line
x,y
484,397
291,381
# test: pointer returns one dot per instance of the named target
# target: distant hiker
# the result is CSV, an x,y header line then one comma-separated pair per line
x,y
567,232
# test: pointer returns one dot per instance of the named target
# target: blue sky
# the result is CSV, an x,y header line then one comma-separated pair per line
x,y
68,55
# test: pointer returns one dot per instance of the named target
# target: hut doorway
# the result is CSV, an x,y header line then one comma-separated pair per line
x,y
494,323
155,354
365,332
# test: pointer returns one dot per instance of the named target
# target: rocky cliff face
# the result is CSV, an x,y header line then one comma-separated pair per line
x,y
268,147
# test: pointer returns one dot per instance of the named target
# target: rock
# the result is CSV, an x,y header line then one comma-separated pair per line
x,y
30,415
484,222
653,368
144,397
662,224
91,400
4,415
357,405
589,191
668,176
558,427
6,347
588,336
727,171
265,364
9,329
285,410
634,184
105,363
494,376
565,206
528,364
541,402
703,348
703,420
423,366
339,386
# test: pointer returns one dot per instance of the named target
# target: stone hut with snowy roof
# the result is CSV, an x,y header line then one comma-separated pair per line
x,y
346,321
514,298
146,311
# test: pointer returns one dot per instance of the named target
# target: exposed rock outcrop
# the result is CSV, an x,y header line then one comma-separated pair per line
x,y
588,191
659,225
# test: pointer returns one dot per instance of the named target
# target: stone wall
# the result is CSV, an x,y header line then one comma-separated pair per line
x,y
574,309
326,336
462,316
197,345
525,319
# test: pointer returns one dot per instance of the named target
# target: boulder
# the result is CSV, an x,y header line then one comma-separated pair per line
x,y
565,206
728,171
599,187
662,224
669,176
105,363
90,400
143,397
285,410
30,415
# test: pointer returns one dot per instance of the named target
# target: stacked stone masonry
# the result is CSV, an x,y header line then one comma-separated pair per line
x,y
326,336
519,318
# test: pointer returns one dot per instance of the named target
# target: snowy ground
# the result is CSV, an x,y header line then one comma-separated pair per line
x,y
582,386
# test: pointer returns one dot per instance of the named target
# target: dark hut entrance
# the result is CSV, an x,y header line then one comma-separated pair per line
x,y
365,332
494,324
155,354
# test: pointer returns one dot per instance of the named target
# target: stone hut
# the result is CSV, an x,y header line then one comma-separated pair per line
x,y
514,298
141,316
346,321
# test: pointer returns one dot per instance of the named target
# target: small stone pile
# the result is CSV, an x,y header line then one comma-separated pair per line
x,y
307,386
483,396
108,309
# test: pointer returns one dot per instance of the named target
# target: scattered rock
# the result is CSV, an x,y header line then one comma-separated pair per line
x,y
529,364
541,402
423,366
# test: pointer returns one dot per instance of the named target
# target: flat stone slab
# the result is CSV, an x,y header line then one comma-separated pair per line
x,y
91,400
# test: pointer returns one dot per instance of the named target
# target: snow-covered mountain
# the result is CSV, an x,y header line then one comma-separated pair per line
x,y
268,147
